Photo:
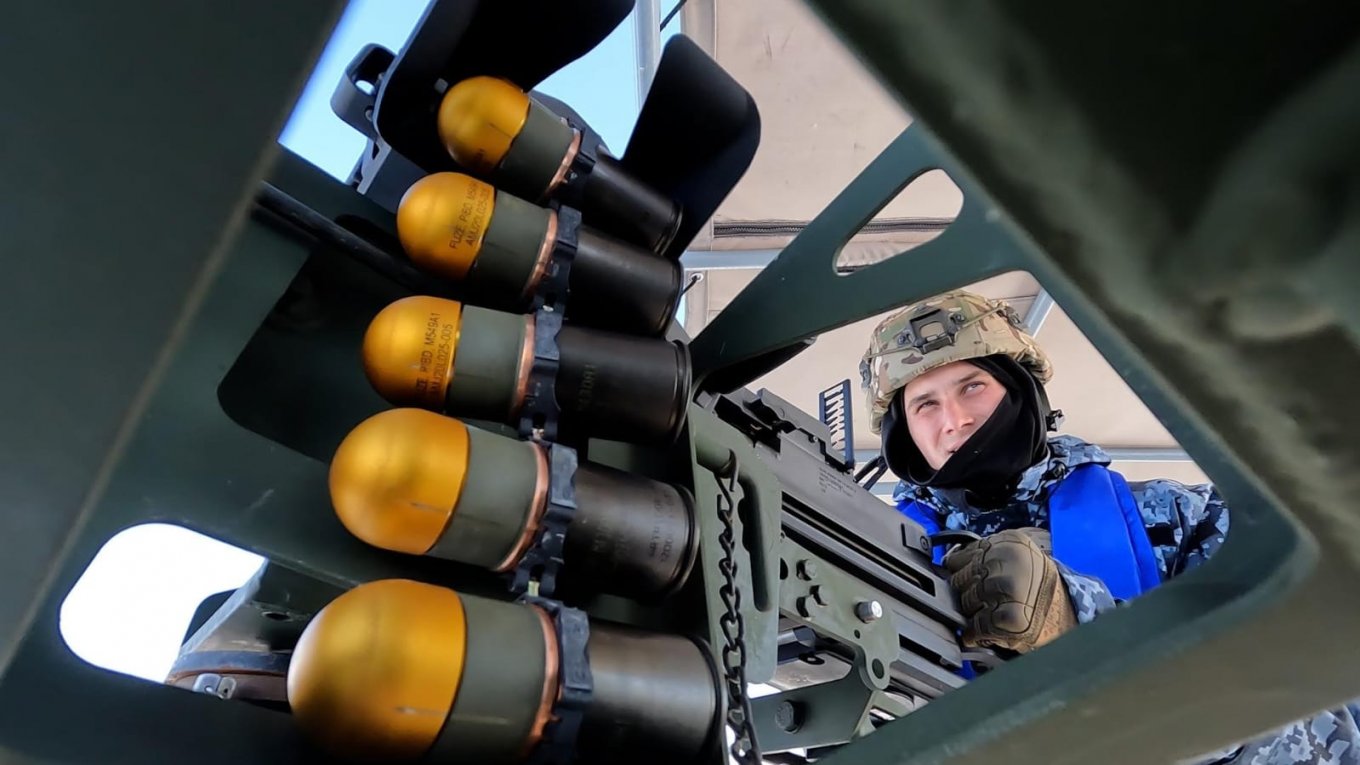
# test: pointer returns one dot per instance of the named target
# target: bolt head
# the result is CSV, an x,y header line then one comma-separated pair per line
x,y
869,611
807,569
788,716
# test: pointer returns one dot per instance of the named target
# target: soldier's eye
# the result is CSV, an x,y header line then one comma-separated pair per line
x,y
973,386
921,406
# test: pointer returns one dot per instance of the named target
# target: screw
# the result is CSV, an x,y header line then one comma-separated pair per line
x,y
807,569
869,611
804,607
817,594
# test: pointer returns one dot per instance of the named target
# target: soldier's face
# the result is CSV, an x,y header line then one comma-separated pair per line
x,y
946,405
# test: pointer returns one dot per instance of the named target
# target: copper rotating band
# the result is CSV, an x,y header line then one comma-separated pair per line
x,y
526,365
540,505
545,251
551,666
567,159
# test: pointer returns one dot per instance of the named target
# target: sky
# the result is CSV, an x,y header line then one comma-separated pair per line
x,y
161,573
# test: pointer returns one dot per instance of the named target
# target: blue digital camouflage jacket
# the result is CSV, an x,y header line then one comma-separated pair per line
x,y
1186,525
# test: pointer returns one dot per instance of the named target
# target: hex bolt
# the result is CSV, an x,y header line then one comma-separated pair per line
x,y
807,569
818,594
869,611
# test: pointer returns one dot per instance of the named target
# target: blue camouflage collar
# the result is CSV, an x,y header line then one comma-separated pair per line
x,y
1064,454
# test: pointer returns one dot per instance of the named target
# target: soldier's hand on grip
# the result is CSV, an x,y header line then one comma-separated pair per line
x,y
1010,590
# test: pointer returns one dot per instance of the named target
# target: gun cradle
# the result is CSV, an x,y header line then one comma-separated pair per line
x,y
867,625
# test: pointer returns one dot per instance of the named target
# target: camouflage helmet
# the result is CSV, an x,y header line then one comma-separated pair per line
x,y
951,327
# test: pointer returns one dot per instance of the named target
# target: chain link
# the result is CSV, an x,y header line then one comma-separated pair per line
x,y
744,748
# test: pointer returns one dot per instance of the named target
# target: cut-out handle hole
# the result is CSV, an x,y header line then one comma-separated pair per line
x,y
920,212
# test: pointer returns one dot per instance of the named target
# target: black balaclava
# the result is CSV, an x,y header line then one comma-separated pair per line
x,y
989,464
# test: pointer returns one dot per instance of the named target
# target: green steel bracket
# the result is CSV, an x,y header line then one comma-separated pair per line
x,y
817,715
759,505
800,295
815,593
823,597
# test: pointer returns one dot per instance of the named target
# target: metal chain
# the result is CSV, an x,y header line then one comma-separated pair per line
x,y
744,749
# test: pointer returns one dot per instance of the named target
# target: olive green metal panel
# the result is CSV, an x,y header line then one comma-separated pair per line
x,y
816,715
130,135
800,295
814,593
824,597
723,457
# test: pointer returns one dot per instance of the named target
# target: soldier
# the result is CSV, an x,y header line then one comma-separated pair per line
x,y
955,388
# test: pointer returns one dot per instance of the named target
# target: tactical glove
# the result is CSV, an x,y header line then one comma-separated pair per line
x,y
1010,591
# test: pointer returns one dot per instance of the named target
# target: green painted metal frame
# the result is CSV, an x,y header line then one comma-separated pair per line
x,y
1147,253
834,712
1257,637
118,204
800,294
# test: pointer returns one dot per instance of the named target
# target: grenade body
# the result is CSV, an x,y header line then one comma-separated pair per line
x,y
396,670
